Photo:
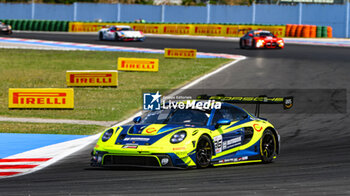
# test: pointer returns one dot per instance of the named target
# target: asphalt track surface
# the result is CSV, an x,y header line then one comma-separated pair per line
x,y
315,158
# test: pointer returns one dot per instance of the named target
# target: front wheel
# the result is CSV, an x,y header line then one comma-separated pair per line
x,y
268,146
204,152
241,46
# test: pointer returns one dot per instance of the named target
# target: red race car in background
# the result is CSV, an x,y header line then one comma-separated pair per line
x,y
260,39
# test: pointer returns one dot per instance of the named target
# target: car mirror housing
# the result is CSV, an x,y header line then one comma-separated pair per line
x,y
137,119
222,122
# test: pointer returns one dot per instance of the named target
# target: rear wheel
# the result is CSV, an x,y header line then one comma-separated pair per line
x,y
268,146
241,44
100,36
253,44
204,152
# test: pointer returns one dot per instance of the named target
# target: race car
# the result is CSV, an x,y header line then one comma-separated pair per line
x,y
6,29
200,136
260,39
120,33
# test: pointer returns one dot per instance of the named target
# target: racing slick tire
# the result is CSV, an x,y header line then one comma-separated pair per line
x,y
253,44
100,36
204,152
241,44
117,38
268,146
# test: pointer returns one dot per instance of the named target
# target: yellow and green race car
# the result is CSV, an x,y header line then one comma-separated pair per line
x,y
198,137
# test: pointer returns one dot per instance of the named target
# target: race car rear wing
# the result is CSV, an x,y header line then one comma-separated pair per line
x,y
262,99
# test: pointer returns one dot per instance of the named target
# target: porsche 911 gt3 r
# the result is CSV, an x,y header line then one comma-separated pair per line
x,y
120,33
198,137
6,29
260,39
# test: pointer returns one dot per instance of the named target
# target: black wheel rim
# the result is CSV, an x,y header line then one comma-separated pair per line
x,y
204,153
268,146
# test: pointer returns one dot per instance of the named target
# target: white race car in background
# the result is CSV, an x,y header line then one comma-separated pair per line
x,y
120,33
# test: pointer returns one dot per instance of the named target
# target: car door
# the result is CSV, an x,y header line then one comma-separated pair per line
x,y
229,137
110,33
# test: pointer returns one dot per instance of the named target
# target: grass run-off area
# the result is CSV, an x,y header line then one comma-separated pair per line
x,y
47,69
48,128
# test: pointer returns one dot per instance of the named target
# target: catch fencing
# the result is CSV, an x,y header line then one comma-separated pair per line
x,y
336,16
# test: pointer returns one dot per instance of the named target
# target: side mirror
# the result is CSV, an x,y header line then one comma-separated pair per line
x,y
137,119
222,122
250,35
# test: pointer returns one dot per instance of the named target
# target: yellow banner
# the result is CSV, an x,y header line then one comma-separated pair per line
x,y
147,28
209,30
177,29
92,78
137,64
180,53
181,29
46,98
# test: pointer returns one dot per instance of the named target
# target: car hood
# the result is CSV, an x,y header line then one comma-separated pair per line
x,y
145,134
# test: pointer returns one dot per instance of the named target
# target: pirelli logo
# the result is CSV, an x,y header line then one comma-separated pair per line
x,y
86,78
44,98
180,53
137,64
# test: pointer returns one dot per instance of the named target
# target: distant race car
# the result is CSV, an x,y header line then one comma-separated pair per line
x,y
7,29
120,33
260,39
199,137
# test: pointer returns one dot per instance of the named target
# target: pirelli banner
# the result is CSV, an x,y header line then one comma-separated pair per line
x,y
182,29
41,98
180,53
92,78
138,64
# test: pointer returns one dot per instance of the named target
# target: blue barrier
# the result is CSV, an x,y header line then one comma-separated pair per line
x,y
336,16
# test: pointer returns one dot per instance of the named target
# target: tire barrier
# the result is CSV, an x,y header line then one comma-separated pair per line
x,y
308,31
37,25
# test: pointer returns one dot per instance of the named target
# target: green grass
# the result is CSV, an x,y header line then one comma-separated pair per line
x,y
48,128
45,69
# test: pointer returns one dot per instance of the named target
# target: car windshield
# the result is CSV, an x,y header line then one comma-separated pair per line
x,y
177,116
263,33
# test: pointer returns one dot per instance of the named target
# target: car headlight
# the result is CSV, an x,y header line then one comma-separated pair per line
x,y
107,134
178,137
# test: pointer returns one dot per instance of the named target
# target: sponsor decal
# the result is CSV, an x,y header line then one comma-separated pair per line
x,y
151,130
231,143
176,29
218,143
179,148
130,146
143,139
147,28
207,30
137,64
257,127
234,159
180,53
92,78
45,98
